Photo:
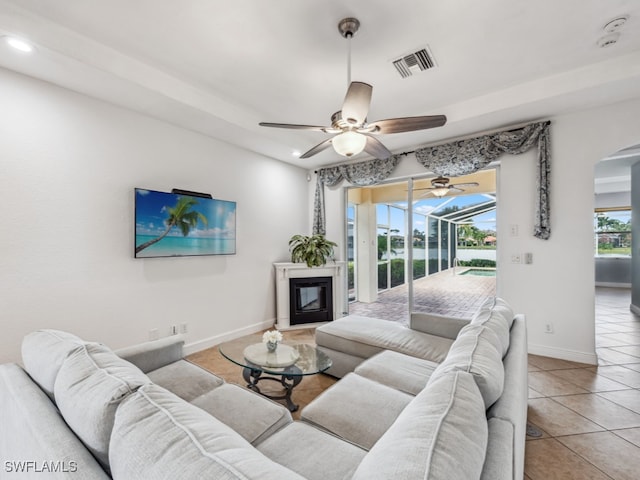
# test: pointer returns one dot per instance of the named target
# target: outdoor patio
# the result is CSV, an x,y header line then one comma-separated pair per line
x,y
443,293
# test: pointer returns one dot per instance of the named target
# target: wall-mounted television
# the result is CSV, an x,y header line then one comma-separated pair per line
x,y
180,225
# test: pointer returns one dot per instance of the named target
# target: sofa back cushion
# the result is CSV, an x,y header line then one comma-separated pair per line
x,y
496,314
441,435
90,385
43,352
158,435
475,352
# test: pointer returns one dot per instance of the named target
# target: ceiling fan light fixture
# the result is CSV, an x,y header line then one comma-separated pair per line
x,y
440,191
349,143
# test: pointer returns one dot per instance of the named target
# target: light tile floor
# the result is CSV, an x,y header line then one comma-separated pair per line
x,y
589,416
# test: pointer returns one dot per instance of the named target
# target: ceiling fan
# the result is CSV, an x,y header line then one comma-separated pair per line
x,y
440,186
351,132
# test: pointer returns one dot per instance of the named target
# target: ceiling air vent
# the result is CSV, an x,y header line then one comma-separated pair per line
x,y
415,62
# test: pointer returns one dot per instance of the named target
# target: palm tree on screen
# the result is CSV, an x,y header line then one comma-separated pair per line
x,y
181,216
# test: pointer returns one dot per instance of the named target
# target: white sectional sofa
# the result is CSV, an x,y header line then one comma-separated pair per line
x,y
79,410
397,382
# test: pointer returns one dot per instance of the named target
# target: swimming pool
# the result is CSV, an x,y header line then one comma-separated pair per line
x,y
479,272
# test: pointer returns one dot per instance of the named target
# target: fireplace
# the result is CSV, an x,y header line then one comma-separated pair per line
x,y
311,300
306,296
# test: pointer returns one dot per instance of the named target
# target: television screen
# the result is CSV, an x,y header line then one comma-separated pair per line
x,y
177,225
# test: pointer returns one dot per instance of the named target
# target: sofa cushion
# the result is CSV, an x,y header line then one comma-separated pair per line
x,y
149,356
313,453
441,435
90,385
498,316
32,429
186,380
356,409
474,351
436,324
364,337
158,435
43,352
495,307
402,372
258,419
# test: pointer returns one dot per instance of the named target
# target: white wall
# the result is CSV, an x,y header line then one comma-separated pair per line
x,y
612,200
68,167
558,288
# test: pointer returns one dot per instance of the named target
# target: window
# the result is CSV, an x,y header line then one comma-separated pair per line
x,y
612,229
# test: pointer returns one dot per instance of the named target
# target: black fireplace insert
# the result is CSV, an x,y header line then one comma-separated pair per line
x,y
311,300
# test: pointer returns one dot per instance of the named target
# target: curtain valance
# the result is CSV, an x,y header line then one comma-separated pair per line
x,y
363,174
463,157
460,157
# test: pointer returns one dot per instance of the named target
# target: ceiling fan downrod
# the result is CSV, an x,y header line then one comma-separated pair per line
x,y
348,27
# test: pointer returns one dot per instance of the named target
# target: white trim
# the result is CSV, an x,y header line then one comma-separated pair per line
x,y
563,354
194,347
613,284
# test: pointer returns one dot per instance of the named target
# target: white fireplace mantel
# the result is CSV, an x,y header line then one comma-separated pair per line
x,y
287,270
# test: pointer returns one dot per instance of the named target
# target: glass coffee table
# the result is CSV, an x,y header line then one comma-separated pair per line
x,y
287,365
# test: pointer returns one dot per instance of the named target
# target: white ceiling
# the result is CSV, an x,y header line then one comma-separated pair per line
x,y
219,68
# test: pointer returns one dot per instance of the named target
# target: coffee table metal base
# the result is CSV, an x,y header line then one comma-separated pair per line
x,y
289,379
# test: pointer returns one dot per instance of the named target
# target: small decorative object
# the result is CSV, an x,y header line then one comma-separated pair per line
x,y
271,339
314,250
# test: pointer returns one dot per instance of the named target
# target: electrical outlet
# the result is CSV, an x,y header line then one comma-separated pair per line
x,y
548,328
184,328
173,330
153,334
515,258
513,230
528,258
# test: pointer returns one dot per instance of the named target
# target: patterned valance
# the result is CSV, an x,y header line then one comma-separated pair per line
x,y
362,174
460,157
463,157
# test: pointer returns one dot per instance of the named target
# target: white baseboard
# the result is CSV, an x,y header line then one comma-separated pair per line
x,y
199,345
613,285
571,355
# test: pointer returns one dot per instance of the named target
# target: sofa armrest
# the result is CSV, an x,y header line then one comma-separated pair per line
x,y
439,325
152,355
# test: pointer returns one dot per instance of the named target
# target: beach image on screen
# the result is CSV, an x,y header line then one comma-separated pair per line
x,y
174,225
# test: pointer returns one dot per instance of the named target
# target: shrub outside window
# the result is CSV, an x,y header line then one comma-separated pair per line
x,y
612,229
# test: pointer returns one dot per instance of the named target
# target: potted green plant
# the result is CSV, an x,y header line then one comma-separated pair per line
x,y
314,250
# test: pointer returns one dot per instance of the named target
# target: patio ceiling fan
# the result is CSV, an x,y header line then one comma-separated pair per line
x,y
351,132
440,186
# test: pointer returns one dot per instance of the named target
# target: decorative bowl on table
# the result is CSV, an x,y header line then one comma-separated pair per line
x,y
283,356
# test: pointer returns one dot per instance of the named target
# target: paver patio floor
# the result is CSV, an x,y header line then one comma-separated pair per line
x,y
443,293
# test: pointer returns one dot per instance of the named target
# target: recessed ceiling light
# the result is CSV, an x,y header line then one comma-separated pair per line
x,y
608,40
19,44
616,24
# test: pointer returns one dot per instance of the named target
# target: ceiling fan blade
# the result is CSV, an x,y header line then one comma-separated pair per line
x,y
452,187
317,149
408,124
468,184
293,126
356,103
375,148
